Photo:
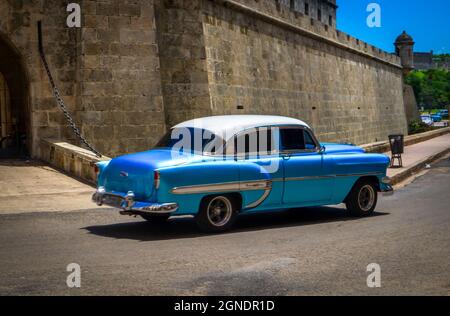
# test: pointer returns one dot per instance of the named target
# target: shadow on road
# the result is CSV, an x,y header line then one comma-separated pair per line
x,y
177,228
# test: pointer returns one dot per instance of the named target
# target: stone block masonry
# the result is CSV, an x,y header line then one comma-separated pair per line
x,y
120,94
344,94
137,67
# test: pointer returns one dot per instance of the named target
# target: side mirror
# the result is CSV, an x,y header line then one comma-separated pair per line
x,y
322,149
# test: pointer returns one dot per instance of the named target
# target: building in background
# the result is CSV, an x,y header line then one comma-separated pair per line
x,y
427,61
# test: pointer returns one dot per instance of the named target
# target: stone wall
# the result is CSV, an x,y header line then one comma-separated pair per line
x,y
18,32
183,60
411,109
137,67
108,71
345,94
120,98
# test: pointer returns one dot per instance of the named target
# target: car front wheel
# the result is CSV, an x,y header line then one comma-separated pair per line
x,y
362,200
216,214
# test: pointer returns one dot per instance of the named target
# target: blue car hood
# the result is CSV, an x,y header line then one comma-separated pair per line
x,y
135,172
333,148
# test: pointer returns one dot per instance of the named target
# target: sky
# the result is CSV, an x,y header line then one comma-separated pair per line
x,y
427,21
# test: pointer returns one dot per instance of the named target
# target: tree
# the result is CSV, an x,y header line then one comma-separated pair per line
x,y
431,87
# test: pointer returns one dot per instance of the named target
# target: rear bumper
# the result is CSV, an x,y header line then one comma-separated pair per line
x,y
127,203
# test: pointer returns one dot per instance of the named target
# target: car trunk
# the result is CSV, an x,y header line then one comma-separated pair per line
x,y
135,172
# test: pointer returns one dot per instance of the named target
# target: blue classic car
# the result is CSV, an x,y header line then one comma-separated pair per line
x,y
218,167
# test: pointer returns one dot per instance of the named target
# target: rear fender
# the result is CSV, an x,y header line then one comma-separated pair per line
x,y
253,175
188,184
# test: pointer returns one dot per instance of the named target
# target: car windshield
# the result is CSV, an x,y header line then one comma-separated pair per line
x,y
191,140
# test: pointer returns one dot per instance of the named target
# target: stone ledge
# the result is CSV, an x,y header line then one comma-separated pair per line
x,y
74,160
381,147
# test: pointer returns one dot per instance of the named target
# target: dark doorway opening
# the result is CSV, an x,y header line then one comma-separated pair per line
x,y
14,103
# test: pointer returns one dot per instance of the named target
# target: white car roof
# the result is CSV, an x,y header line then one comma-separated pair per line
x,y
229,125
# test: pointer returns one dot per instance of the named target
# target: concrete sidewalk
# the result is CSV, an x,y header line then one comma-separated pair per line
x,y
418,155
31,186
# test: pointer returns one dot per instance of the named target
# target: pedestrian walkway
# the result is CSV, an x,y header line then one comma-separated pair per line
x,y
417,153
30,186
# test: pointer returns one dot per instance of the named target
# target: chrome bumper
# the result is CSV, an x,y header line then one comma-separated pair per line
x,y
127,203
388,190
386,187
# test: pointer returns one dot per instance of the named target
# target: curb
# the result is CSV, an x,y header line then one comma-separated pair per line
x,y
417,166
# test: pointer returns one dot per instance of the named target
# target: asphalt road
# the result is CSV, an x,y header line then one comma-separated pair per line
x,y
303,251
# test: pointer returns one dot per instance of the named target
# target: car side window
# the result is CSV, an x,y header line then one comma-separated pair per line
x,y
309,142
254,142
292,139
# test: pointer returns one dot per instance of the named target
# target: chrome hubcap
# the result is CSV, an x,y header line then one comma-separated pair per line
x,y
366,197
219,211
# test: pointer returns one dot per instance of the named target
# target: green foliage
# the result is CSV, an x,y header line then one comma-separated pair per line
x,y
431,87
416,127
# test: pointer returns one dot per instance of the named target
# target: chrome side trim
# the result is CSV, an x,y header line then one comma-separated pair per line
x,y
360,174
225,186
308,178
326,177
260,200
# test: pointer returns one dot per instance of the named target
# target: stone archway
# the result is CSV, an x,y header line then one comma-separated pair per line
x,y
15,133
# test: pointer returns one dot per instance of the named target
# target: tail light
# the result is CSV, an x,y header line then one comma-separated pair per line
x,y
96,169
156,179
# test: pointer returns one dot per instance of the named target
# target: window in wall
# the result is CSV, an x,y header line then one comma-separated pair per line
x,y
307,8
319,15
330,20
292,5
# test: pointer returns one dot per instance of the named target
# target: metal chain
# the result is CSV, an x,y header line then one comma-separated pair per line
x,y
62,105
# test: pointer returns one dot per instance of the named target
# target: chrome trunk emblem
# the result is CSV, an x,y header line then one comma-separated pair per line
x,y
124,174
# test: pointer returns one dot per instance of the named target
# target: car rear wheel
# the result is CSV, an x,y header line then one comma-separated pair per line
x,y
155,218
362,199
216,214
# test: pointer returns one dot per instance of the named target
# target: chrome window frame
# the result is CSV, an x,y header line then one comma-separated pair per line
x,y
295,151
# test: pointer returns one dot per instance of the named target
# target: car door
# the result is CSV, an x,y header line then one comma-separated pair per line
x,y
307,180
255,147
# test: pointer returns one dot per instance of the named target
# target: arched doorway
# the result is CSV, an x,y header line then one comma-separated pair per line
x,y
14,103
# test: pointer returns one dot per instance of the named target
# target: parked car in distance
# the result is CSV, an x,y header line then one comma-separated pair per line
x,y
257,164
444,114
426,118
436,117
